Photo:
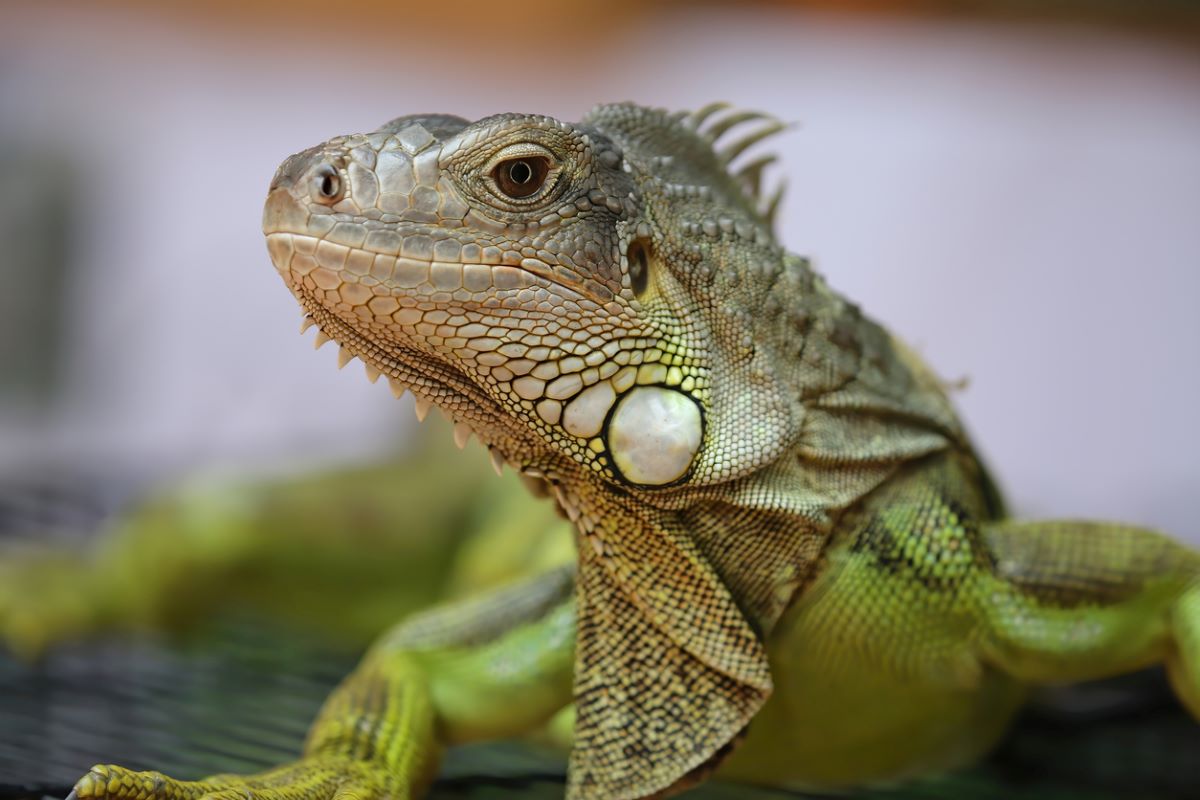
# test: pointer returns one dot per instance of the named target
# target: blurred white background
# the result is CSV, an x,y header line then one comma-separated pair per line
x,y
1019,199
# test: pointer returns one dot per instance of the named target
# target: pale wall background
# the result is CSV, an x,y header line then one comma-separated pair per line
x,y
1019,199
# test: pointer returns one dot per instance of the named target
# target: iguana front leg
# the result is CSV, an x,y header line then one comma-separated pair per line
x,y
1073,601
494,666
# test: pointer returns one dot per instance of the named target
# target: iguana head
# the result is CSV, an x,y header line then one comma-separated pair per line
x,y
565,291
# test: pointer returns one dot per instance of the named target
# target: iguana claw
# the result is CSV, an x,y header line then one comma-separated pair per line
x,y
310,779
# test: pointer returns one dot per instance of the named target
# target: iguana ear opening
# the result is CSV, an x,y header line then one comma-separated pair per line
x,y
639,267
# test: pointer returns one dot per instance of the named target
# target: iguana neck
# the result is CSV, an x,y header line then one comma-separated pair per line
x,y
779,516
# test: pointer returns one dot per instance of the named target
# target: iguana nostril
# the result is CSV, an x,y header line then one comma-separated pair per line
x,y
292,168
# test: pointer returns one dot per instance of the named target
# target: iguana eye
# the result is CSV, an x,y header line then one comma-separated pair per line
x,y
325,185
521,177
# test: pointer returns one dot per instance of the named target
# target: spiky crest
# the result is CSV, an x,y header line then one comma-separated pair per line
x,y
690,139
716,120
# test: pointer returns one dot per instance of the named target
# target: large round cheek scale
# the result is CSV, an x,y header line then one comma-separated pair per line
x,y
654,435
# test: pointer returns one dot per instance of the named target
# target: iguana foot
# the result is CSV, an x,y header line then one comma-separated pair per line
x,y
309,779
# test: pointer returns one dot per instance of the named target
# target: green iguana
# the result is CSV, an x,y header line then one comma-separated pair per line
x,y
792,567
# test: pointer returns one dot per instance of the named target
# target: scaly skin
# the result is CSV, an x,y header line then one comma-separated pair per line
x,y
791,564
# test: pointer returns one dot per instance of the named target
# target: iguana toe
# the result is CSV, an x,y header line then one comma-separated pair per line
x,y
312,779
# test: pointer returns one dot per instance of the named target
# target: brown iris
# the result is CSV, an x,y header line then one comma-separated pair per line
x,y
521,177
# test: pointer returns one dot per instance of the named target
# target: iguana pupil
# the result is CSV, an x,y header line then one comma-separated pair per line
x,y
521,177
520,172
